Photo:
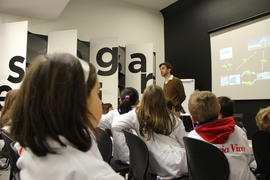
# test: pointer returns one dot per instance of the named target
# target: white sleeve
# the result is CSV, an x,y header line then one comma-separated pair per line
x,y
180,132
106,173
126,121
106,121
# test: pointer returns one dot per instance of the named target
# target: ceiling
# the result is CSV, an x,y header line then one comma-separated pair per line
x,y
51,9
43,9
152,4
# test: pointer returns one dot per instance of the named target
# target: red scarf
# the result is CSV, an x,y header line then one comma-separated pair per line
x,y
218,131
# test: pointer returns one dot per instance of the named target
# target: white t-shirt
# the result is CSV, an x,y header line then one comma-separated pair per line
x,y
238,153
120,148
167,153
68,164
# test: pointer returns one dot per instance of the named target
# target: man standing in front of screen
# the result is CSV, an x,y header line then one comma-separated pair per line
x,y
173,87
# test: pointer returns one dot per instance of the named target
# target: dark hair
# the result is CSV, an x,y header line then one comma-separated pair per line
x,y
52,102
169,104
168,65
226,106
129,96
106,107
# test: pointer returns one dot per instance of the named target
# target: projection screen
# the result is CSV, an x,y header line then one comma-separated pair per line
x,y
240,58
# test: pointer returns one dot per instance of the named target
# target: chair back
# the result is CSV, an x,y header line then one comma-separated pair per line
x,y
138,156
261,149
13,156
104,143
205,161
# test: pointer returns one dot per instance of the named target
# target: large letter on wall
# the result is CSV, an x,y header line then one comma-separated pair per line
x,y
63,42
104,55
139,71
13,43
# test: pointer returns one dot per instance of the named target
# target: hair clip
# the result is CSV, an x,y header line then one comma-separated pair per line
x,y
127,97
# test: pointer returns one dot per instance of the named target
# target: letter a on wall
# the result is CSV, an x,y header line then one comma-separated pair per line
x,y
13,45
139,66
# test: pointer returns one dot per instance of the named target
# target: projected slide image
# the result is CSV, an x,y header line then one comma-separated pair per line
x,y
234,79
224,81
226,53
231,80
263,76
255,67
259,43
240,60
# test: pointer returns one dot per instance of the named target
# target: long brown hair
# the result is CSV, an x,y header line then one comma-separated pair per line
x,y
52,102
5,119
153,114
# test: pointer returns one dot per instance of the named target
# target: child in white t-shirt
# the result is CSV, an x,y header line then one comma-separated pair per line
x,y
161,131
54,119
222,133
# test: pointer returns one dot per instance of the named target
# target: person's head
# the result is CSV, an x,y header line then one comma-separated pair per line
x,y
226,107
203,106
58,97
170,105
129,97
263,119
165,69
5,119
106,107
153,114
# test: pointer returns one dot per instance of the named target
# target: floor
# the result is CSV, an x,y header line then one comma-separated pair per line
x,y
4,174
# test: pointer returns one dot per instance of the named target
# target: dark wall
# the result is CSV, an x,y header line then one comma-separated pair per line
x,y
187,43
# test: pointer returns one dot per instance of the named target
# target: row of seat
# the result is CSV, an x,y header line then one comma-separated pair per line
x,y
205,161
139,158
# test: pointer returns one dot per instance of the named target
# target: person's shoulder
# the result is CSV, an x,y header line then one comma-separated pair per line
x,y
68,162
176,79
87,164
239,130
129,115
239,135
132,112
192,134
114,112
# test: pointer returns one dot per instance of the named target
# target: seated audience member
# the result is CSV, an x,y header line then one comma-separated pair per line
x,y
161,131
54,119
227,110
5,120
222,133
263,123
106,107
129,98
